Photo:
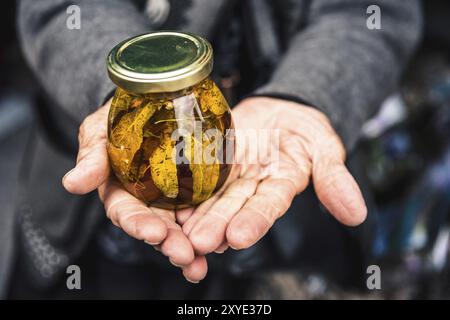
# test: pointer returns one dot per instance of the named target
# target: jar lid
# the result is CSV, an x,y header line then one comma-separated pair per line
x,y
165,61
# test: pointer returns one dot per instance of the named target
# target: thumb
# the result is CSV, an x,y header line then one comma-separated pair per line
x,y
336,188
92,167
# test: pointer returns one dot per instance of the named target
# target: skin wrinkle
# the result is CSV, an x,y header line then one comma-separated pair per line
x,y
86,168
227,193
234,197
109,205
330,183
90,144
347,205
126,213
334,204
91,124
86,149
240,201
277,211
284,200
164,213
296,183
328,177
261,213
262,188
233,191
301,146
168,221
304,166
131,223
205,206
214,213
123,214
251,172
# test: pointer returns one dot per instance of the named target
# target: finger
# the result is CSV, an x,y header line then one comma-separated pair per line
x,y
153,225
209,232
198,213
92,167
222,248
196,271
177,247
338,191
335,187
89,173
272,199
132,215
183,215
203,208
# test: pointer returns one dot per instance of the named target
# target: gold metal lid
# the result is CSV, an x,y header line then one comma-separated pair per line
x,y
164,61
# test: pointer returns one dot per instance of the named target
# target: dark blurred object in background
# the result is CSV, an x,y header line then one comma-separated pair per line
x,y
17,92
407,159
436,13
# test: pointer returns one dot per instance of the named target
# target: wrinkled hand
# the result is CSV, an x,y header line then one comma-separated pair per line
x,y
250,202
248,206
155,226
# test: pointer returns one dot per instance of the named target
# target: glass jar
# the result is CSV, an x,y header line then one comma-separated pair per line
x,y
169,138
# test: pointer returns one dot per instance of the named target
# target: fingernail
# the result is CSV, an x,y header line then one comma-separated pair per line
x,y
221,249
150,243
68,173
174,264
191,281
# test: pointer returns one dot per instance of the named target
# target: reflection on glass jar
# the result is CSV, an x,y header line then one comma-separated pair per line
x,y
169,141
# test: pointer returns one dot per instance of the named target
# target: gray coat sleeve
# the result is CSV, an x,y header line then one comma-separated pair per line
x,y
70,64
340,66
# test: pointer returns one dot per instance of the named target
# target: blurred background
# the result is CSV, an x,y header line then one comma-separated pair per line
x,y
405,156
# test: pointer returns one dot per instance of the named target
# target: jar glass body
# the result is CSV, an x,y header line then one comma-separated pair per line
x,y
174,149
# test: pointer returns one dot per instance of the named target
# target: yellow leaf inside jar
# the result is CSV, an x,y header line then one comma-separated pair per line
x,y
142,148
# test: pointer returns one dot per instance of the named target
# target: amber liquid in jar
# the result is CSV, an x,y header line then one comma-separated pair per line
x,y
142,144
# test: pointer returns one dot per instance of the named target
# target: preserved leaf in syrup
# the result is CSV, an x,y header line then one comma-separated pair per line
x,y
126,137
212,100
164,169
205,176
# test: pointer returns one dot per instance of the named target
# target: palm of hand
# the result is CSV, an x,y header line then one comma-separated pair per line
x,y
254,196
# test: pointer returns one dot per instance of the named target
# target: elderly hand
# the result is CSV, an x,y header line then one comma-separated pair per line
x,y
155,226
254,197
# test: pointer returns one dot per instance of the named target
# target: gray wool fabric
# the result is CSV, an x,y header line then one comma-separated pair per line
x,y
330,60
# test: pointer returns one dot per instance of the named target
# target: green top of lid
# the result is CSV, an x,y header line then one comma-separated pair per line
x,y
160,62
